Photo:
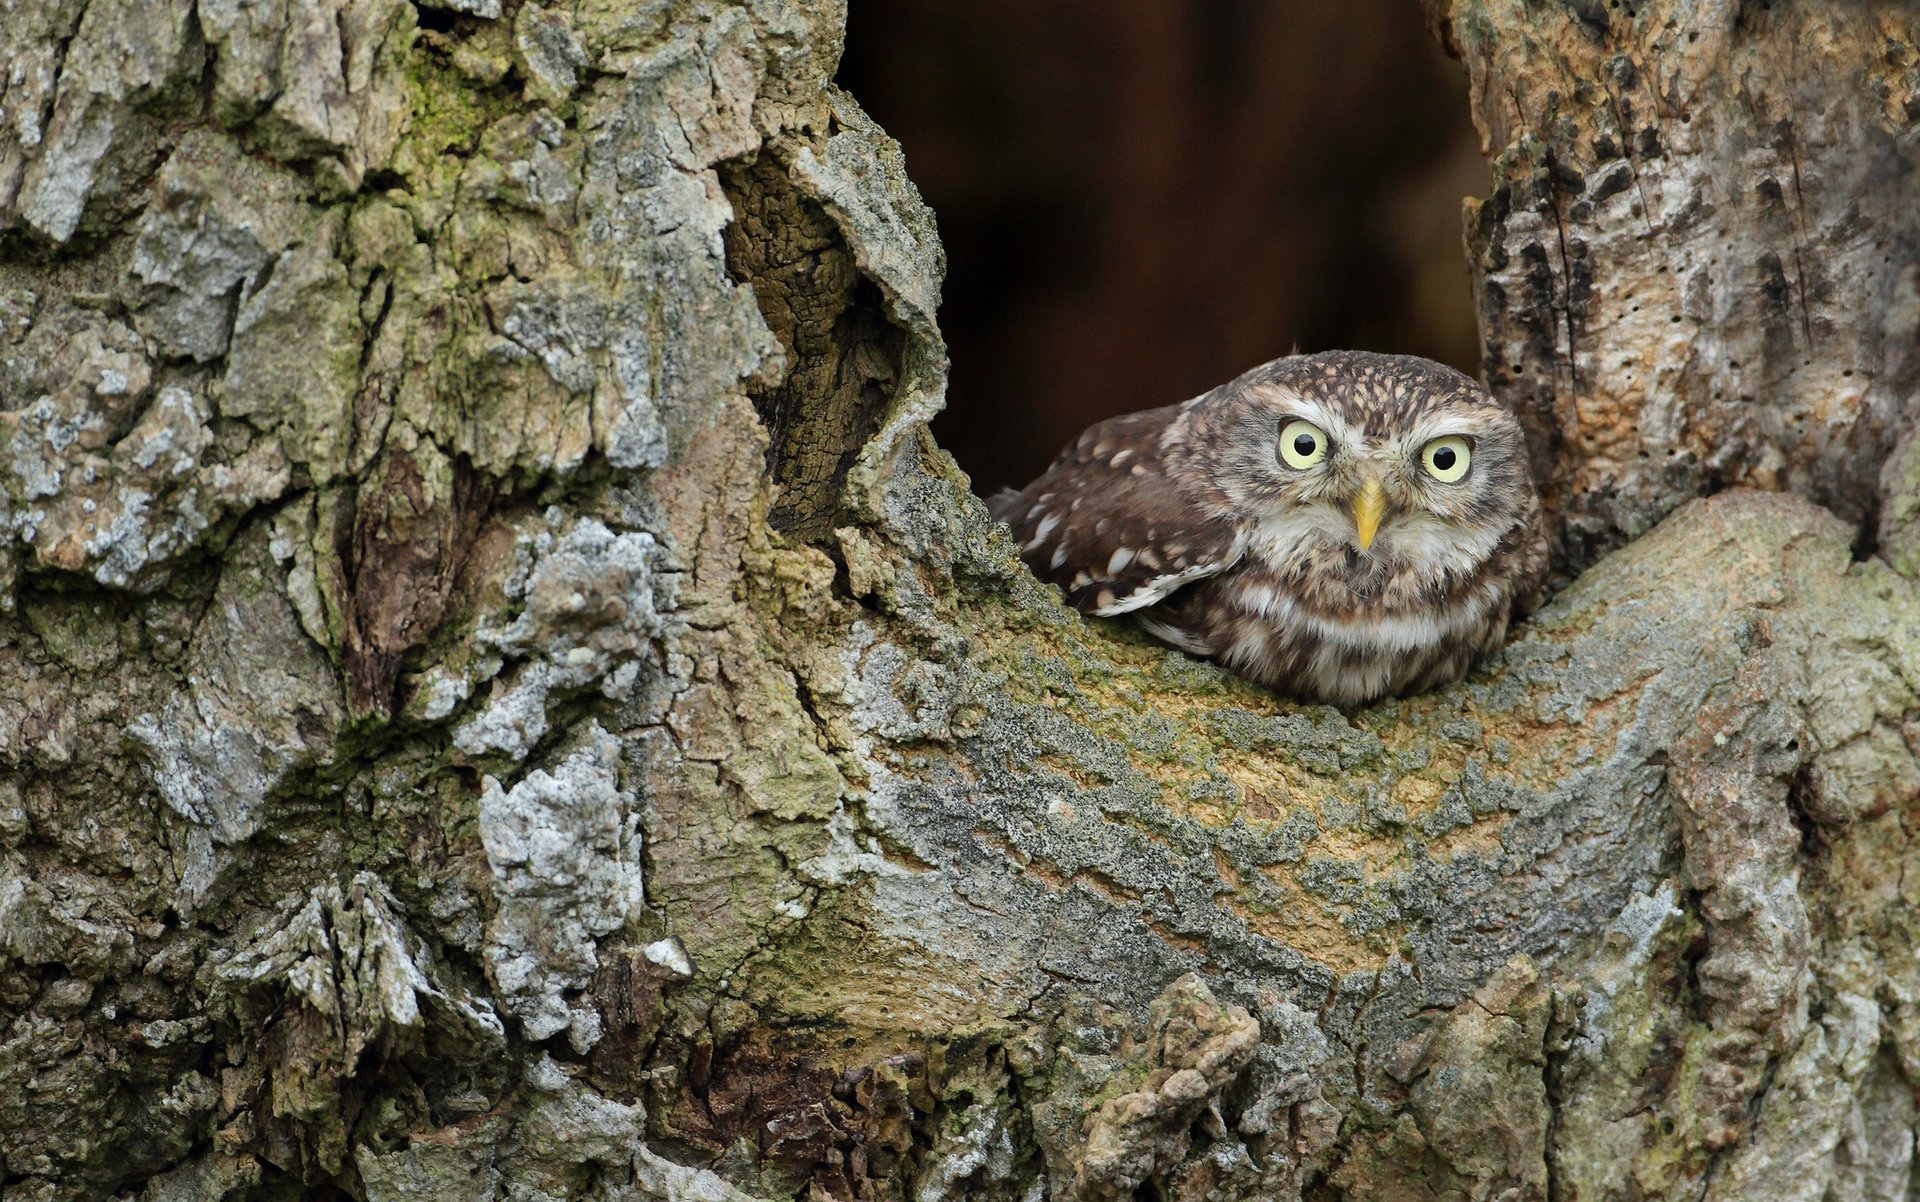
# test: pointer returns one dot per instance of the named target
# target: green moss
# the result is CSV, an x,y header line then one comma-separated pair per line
x,y
447,113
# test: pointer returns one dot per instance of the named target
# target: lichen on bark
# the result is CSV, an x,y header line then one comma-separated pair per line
x,y
503,698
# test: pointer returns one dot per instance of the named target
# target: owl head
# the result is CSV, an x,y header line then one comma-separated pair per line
x,y
1386,464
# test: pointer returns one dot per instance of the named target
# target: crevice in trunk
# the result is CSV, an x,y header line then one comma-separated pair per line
x,y
843,354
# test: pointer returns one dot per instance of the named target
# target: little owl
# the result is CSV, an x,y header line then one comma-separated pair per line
x,y
1339,527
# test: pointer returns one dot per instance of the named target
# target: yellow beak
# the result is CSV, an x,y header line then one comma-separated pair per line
x,y
1368,508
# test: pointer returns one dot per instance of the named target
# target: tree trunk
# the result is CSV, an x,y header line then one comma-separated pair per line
x,y
501,697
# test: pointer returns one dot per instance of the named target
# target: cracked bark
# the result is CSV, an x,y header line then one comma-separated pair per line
x,y
503,699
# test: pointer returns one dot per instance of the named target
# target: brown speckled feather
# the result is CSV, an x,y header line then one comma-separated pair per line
x,y
1122,518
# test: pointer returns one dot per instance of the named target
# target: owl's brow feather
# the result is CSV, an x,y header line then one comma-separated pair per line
x,y
1376,392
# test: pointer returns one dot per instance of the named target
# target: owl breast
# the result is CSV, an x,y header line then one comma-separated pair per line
x,y
1333,630
1346,659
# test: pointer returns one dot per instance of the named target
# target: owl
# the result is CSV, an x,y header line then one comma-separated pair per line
x,y
1339,527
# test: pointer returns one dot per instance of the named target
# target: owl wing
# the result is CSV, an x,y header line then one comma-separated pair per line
x,y
1117,523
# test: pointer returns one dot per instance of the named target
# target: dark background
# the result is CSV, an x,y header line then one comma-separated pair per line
x,y
1142,198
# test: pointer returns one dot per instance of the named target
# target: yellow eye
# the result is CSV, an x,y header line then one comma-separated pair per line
x,y
1302,444
1446,459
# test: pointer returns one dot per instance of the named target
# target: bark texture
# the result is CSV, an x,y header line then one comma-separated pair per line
x,y
501,698
1697,269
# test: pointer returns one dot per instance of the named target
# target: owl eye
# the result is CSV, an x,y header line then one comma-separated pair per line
x,y
1446,459
1302,444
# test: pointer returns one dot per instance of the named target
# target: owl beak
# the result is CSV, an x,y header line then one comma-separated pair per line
x,y
1369,506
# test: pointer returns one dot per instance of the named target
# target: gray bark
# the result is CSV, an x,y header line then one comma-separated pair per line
x,y
500,697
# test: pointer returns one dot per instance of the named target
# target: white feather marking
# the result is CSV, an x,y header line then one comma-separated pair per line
x,y
1433,546
1186,640
1047,526
1157,589
1119,560
1367,631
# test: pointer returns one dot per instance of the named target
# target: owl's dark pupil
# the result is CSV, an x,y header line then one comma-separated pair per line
x,y
1303,445
1443,458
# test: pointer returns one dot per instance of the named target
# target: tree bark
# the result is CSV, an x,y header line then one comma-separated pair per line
x,y
500,697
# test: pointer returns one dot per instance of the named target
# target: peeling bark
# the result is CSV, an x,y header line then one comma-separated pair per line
x,y
502,698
